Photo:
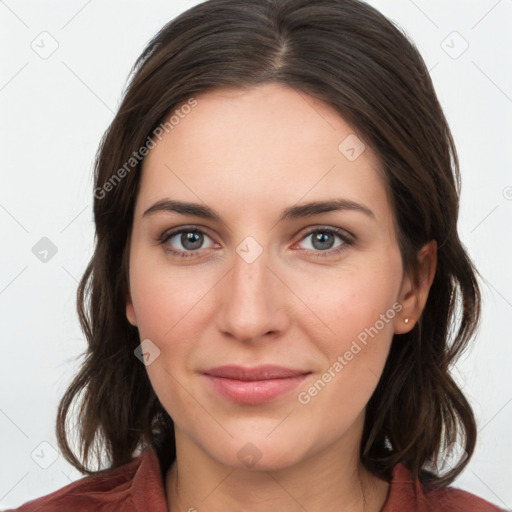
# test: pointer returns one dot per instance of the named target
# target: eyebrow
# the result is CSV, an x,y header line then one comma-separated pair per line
x,y
290,213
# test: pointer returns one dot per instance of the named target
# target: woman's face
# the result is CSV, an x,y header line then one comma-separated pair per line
x,y
319,291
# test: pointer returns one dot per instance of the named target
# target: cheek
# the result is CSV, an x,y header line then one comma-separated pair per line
x,y
354,299
354,322
164,301
170,312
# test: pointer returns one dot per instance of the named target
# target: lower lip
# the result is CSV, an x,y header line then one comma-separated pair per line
x,y
253,392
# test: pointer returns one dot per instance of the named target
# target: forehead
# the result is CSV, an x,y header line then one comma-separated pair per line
x,y
258,146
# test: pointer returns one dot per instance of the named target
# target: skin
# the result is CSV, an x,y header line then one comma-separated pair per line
x,y
249,155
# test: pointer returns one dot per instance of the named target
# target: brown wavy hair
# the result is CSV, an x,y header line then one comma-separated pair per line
x,y
349,55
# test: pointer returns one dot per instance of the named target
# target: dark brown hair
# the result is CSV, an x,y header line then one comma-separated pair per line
x,y
347,54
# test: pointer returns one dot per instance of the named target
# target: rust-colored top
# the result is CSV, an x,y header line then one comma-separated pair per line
x,y
138,487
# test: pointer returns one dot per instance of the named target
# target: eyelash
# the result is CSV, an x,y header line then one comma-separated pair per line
x,y
347,239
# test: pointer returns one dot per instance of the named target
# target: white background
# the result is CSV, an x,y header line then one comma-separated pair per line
x,y
54,112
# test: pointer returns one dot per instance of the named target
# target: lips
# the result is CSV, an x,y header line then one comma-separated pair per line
x,y
255,385
264,372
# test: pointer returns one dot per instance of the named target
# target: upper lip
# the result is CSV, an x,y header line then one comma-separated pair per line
x,y
263,372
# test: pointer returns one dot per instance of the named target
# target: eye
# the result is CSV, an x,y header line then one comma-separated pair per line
x,y
191,241
323,241
188,241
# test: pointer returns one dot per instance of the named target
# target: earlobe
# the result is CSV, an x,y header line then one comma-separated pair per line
x,y
413,297
404,324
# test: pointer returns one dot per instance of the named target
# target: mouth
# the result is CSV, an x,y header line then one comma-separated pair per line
x,y
255,385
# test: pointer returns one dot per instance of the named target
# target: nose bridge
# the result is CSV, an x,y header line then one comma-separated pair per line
x,y
249,269
249,278
251,302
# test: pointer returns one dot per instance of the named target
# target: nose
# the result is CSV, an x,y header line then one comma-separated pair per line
x,y
253,301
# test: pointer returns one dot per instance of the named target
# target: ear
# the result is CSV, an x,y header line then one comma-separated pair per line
x,y
130,311
414,297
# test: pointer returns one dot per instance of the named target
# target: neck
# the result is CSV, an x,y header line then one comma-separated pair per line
x,y
330,480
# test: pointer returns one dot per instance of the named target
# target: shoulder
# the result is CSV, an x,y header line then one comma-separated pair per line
x,y
129,485
408,494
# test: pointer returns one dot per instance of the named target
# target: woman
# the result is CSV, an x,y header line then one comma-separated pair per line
x,y
278,288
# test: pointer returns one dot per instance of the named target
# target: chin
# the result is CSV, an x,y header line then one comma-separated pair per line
x,y
259,452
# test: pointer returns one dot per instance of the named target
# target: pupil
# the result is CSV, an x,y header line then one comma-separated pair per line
x,y
191,240
321,237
